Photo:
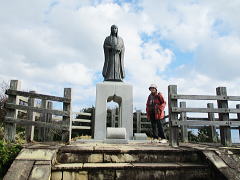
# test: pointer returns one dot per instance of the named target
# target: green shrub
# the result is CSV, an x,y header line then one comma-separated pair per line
x,y
1,132
8,152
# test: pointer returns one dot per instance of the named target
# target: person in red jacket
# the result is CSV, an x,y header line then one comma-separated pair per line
x,y
155,112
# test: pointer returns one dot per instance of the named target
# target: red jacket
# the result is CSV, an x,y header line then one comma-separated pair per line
x,y
159,105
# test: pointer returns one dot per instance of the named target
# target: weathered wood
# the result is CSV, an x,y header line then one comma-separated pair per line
x,y
234,123
37,96
19,170
113,117
93,122
25,122
173,116
30,116
212,129
207,119
205,123
205,97
49,133
82,120
147,122
10,128
205,110
183,117
67,118
37,109
225,131
197,118
70,129
81,127
139,119
238,116
82,113
43,118
200,127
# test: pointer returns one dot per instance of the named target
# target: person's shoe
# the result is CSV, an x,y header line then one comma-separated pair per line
x,y
163,141
155,141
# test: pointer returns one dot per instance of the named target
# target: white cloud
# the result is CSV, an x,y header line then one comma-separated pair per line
x,y
50,45
219,58
62,46
184,23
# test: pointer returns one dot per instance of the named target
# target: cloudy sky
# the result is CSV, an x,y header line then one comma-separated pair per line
x,y
52,44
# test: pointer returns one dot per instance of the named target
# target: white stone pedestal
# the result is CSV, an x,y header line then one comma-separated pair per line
x,y
120,93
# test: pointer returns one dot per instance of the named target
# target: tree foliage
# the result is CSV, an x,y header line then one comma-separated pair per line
x,y
202,136
3,98
8,152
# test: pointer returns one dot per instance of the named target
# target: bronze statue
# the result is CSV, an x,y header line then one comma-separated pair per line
x,y
113,69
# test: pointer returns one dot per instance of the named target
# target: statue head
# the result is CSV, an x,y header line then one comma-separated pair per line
x,y
114,30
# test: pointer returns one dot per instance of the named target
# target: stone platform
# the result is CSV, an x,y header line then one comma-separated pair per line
x,y
135,160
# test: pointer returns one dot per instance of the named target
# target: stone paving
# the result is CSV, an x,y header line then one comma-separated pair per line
x,y
40,160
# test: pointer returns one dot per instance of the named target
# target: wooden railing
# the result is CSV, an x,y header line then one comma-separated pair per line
x,y
140,122
45,110
223,122
144,125
85,123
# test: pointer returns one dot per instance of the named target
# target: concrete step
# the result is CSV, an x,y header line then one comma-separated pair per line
x,y
130,171
113,155
98,166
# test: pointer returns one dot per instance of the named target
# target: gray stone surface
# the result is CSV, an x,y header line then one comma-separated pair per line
x,y
76,157
42,172
120,93
81,175
56,175
67,166
121,158
140,136
36,154
116,141
116,133
19,170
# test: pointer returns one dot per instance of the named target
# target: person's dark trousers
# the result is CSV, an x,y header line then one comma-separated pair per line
x,y
157,128
160,129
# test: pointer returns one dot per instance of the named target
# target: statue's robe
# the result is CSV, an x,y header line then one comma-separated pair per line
x,y
113,69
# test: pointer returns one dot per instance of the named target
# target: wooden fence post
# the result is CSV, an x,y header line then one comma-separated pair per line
x,y
211,117
66,119
30,116
49,133
173,116
113,117
93,122
10,128
43,118
225,131
183,117
238,115
138,114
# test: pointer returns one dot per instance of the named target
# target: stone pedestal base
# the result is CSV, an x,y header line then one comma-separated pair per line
x,y
116,141
140,136
116,133
120,93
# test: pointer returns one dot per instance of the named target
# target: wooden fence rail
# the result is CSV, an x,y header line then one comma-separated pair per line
x,y
46,112
223,122
86,123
